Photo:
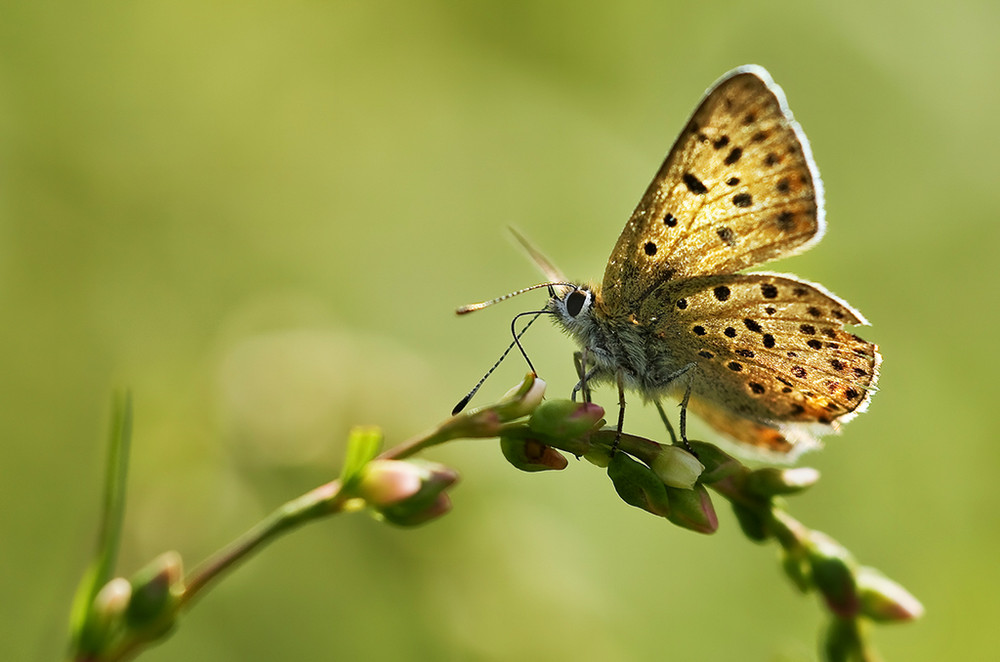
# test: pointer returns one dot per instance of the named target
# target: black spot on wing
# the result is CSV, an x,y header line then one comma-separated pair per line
x,y
726,235
743,200
694,184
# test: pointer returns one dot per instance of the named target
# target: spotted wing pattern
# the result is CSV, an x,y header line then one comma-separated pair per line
x,y
774,363
738,188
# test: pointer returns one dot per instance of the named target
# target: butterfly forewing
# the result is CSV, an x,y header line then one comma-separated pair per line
x,y
738,188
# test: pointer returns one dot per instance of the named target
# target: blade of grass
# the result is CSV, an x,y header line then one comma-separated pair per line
x,y
112,513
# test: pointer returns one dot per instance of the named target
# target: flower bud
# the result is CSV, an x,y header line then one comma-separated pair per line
x,y
884,600
385,482
565,419
113,598
833,574
795,563
531,454
106,616
752,522
488,421
407,492
692,509
401,516
522,399
718,464
771,481
676,467
156,590
637,485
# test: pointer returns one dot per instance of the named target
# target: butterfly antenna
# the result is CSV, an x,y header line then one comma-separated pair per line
x,y
516,343
472,307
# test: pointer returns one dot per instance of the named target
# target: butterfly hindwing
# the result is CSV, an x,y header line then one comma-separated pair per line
x,y
769,349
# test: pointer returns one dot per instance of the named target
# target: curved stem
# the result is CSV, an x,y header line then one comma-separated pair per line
x,y
324,500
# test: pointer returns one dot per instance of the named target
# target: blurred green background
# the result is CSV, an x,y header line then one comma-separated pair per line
x,y
260,217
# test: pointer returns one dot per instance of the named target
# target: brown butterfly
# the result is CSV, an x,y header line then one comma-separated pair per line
x,y
761,357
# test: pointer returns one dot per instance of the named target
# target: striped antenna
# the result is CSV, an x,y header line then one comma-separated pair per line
x,y
472,307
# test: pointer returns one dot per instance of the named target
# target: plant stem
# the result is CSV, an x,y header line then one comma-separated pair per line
x,y
324,500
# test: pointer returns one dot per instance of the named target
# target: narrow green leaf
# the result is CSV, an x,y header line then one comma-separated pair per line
x,y
362,447
112,513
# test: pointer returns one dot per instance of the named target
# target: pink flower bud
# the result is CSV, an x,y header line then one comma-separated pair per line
x,y
407,492
884,600
385,482
833,573
692,509
565,419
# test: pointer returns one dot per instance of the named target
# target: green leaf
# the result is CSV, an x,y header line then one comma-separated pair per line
x,y
844,641
363,445
637,485
112,513
752,522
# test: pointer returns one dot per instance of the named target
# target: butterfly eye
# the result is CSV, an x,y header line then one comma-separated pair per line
x,y
575,301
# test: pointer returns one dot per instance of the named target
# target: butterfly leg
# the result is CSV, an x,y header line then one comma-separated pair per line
x,y
684,411
666,422
687,372
621,410
580,362
583,386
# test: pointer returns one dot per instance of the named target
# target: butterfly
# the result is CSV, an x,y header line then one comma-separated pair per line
x,y
763,358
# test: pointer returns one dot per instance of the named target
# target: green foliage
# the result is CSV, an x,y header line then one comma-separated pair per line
x,y
118,618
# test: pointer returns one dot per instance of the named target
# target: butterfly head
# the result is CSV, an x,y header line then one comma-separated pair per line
x,y
574,309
